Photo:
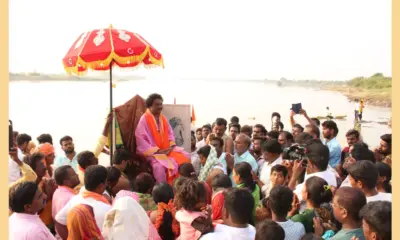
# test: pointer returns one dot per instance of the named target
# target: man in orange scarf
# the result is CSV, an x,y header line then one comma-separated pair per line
x,y
155,140
48,151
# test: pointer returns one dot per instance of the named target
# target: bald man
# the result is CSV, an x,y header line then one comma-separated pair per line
x,y
242,146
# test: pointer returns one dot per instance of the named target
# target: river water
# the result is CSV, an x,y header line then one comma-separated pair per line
x,y
78,109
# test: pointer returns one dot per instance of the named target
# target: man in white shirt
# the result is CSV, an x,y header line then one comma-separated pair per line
x,y
236,219
14,172
205,130
317,165
364,175
95,185
271,151
356,110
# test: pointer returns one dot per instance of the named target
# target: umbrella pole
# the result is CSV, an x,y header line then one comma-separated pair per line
x,y
112,117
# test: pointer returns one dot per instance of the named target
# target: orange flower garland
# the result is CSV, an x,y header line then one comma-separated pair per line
x,y
161,208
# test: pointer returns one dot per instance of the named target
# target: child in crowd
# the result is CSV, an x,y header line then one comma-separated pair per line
x,y
191,197
113,175
377,220
164,218
144,184
263,212
385,177
278,176
280,202
236,216
187,170
364,175
176,184
315,192
346,204
242,176
269,230
220,184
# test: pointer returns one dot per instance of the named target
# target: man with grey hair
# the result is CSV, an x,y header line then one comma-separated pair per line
x,y
242,145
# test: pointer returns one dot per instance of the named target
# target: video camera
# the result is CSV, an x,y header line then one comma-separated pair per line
x,y
295,152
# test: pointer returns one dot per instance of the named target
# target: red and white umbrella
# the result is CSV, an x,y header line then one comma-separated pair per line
x,y
102,49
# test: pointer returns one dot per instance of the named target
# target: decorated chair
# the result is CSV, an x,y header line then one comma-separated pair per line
x,y
127,117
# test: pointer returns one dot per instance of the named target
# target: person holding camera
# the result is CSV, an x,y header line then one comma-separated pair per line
x,y
315,163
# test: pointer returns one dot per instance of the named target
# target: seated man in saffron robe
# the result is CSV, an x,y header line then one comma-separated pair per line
x,y
155,140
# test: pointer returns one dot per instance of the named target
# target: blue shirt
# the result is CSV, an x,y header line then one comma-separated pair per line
x,y
335,151
245,157
62,160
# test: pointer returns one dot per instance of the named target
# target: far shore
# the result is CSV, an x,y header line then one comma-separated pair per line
x,y
372,97
376,95
60,77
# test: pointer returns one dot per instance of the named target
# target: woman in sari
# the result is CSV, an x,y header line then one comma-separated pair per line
x,y
82,225
128,220
220,184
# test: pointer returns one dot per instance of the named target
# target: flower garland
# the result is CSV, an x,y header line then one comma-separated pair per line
x,y
161,208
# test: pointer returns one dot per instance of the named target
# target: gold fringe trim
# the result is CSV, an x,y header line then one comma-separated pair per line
x,y
104,64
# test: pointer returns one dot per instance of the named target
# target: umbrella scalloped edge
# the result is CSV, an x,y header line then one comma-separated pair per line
x,y
131,62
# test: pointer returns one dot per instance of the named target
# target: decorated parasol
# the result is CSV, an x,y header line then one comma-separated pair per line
x,y
103,49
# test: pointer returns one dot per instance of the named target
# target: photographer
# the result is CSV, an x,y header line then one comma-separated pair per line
x,y
316,164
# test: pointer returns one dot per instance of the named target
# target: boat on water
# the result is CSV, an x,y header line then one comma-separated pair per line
x,y
338,117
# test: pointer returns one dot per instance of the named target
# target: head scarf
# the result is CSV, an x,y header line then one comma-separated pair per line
x,y
128,220
212,160
46,148
81,224
125,193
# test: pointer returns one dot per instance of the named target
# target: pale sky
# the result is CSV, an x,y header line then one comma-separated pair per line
x,y
299,39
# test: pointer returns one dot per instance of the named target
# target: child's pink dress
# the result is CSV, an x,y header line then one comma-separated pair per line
x,y
185,219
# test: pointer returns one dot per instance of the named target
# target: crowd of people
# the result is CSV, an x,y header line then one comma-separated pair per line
x,y
238,182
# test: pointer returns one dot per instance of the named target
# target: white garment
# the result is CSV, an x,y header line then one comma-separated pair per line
x,y
293,230
346,182
14,172
327,175
224,232
195,159
83,189
380,197
200,144
99,208
127,220
357,107
266,172
220,167
333,170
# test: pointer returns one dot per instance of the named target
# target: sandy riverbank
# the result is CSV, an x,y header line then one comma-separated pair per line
x,y
375,90
372,97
